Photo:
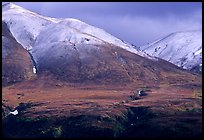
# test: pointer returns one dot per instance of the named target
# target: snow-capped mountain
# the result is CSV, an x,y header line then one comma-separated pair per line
x,y
69,30
71,50
183,49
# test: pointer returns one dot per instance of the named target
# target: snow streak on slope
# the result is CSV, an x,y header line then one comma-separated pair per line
x,y
26,27
183,49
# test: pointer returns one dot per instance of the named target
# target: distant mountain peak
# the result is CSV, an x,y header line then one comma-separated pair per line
x,y
183,49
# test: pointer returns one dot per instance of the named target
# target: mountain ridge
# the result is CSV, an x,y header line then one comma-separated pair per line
x,y
35,27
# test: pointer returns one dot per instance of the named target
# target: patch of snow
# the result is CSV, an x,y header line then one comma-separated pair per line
x,y
34,70
198,52
14,112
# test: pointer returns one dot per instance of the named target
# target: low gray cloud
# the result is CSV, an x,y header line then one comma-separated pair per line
x,y
141,30
135,22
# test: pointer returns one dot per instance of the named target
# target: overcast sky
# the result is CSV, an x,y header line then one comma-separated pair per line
x,y
135,22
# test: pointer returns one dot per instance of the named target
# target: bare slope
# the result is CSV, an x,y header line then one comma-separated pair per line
x,y
16,61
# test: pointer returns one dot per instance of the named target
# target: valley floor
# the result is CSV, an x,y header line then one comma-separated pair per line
x,y
71,110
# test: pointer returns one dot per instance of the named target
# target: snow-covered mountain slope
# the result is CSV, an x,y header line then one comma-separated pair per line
x,y
26,26
23,24
183,49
